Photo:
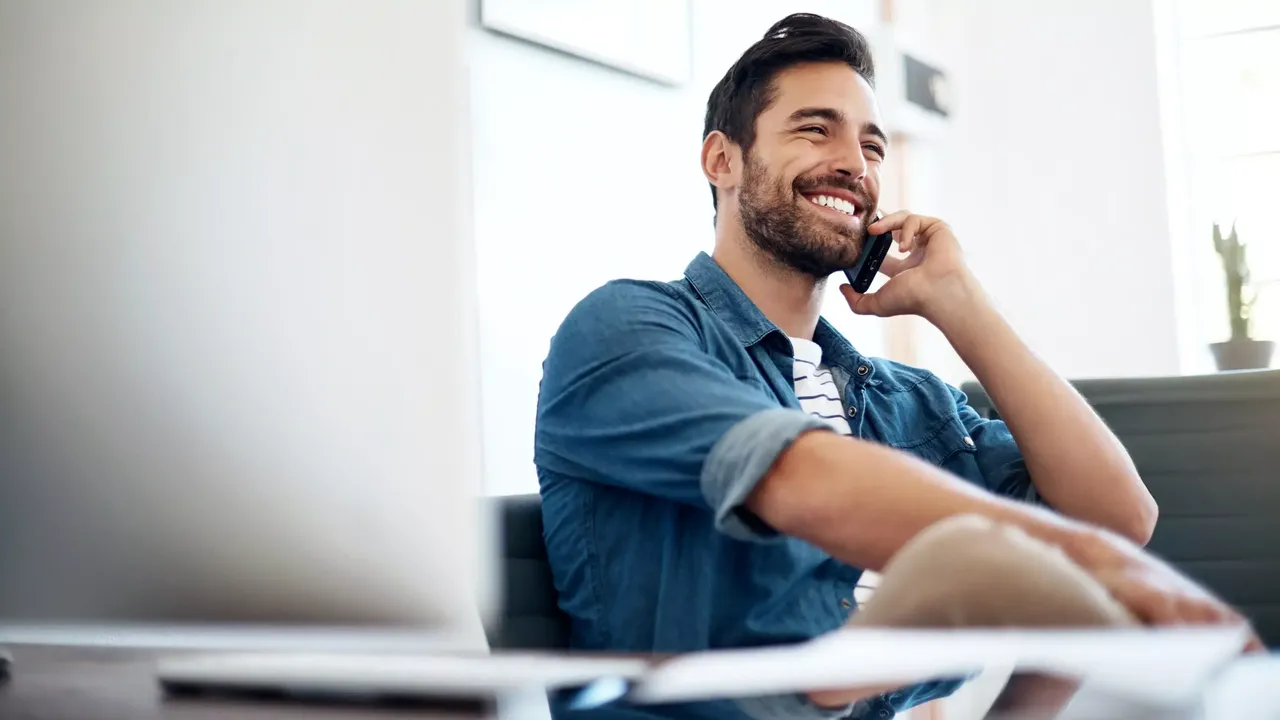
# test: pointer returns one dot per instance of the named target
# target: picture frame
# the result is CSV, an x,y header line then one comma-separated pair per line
x,y
647,38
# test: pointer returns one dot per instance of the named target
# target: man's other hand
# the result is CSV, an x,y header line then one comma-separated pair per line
x,y
1152,590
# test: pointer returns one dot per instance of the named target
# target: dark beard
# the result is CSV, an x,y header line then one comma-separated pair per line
x,y
775,223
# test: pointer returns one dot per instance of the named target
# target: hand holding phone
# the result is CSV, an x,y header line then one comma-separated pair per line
x,y
873,251
929,279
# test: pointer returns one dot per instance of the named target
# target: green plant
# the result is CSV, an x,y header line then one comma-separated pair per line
x,y
1240,293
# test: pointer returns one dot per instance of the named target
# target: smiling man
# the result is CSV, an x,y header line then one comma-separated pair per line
x,y
718,465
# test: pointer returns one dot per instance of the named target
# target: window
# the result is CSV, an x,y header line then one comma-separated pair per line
x,y
1221,104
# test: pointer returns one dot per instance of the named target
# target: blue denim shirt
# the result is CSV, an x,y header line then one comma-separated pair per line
x,y
661,406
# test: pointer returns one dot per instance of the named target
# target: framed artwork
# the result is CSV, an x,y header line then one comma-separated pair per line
x,y
649,38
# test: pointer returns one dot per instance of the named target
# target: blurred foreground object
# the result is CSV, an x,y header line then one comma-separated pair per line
x,y
238,368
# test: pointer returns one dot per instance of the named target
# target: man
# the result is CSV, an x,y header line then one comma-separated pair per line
x,y
718,465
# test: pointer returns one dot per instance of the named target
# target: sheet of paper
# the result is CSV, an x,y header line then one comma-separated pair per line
x,y
416,673
1166,666
1247,688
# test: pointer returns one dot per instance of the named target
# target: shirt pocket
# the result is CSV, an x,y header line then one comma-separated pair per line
x,y
942,440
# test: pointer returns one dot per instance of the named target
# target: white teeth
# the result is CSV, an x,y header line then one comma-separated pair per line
x,y
834,203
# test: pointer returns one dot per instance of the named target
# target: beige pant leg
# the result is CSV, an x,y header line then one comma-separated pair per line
x,y
969,571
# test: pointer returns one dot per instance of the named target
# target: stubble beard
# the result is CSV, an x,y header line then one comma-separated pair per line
x,y
789,234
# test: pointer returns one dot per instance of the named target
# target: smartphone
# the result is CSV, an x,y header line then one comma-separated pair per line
x,y
873,252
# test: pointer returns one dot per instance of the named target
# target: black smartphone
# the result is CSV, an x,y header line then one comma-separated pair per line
x,y
873,252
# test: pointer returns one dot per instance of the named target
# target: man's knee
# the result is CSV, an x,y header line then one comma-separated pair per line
x,y
971,571
971,546
959,531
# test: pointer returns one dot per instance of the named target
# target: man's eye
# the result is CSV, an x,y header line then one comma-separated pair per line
x,y
814,129
879,151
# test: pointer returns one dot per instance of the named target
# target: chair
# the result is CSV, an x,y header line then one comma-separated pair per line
x,y
1208,448
530,617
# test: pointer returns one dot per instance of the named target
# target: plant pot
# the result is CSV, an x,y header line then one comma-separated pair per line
x,y
1242,354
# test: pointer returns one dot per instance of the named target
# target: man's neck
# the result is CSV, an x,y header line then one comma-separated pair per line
x,y
791,300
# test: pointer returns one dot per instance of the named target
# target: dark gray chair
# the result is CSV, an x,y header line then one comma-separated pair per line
x,y
1208,447
530,617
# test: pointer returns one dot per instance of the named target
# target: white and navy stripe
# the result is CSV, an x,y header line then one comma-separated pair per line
x,y
815,387
818,395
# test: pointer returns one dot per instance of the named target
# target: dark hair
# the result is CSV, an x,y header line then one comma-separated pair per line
x,y
747,89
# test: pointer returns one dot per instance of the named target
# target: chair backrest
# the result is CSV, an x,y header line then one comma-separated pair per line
x,y
530,618
1208,447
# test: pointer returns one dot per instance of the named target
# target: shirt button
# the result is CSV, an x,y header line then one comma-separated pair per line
x,y
846,604
863,369
968,441
852,411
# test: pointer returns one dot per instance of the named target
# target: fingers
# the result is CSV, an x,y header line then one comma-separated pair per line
x,y
1158,608
909,230
1177,609
891,265
1157,595
1255,644
1220,612
861,303
1169,603
1196,611
892,221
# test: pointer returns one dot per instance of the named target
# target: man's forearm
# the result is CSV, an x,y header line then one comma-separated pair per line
x,y
861,501
1075,461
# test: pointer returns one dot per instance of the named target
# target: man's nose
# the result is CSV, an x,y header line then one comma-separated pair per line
x,y
852,165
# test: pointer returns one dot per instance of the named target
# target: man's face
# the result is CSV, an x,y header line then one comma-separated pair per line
x,y
810,184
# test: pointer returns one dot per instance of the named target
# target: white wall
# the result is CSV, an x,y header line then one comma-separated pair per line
x,y
584,174
1052,174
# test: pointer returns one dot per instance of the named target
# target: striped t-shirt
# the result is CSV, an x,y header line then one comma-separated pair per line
x,y
818,395
815,388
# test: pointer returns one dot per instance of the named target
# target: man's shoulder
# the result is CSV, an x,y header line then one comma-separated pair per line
x,y
620,306
623,294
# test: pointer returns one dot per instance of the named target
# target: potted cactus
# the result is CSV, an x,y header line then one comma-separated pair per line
x,y
1241,352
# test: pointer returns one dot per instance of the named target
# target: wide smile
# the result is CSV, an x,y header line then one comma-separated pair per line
x,y
835,206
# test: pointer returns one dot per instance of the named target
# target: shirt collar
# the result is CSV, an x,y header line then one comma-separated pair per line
x,y
727,300
835,348
736,310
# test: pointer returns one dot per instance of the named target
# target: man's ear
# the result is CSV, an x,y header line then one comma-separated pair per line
x,y
721,161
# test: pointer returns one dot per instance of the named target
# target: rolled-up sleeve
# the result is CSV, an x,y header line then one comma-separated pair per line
x,y
1004,471
631,398
741,459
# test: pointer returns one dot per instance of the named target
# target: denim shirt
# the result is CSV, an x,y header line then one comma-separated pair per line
x,y
661,406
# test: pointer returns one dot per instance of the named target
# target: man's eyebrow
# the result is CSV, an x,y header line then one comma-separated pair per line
x,y
874,129
817,113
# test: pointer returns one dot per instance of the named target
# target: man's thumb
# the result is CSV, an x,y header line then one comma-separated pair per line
x,y
860,303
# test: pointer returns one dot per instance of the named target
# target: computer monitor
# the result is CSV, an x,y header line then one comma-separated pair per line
x,y
238,357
